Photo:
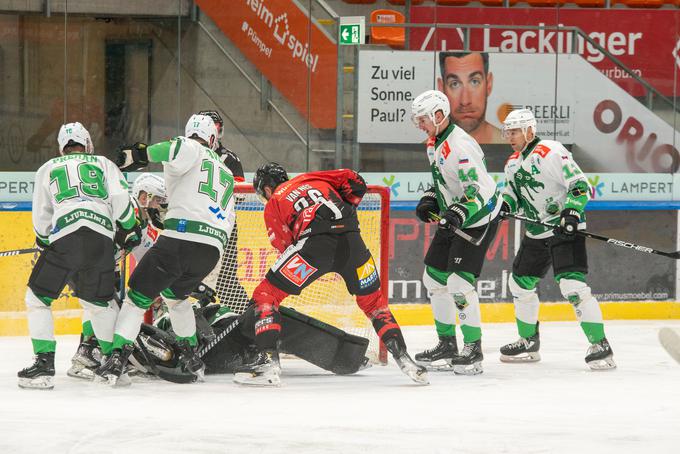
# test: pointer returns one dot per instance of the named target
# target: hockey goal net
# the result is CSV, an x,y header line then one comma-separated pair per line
x,y
249,256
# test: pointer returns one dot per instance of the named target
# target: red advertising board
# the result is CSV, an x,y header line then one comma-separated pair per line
x,y
647,42
277,38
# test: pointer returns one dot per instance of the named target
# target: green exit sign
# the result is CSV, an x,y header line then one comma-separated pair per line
x,y
351,30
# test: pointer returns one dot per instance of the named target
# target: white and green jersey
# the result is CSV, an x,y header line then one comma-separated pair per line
x,y
460,177
80,190
542,181
200,192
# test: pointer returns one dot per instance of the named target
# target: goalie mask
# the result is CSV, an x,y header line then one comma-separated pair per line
x,y
203,127
271,174
522,119
426,105
74,134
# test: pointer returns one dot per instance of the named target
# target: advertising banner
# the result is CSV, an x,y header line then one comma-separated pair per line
x,y
645,41
615,274
609,129
277,38
389,81
17,187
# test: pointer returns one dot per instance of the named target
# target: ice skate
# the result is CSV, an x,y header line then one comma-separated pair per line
x,y
190,360
600,356
86,360
439,357
264,371
469,362
415,372
40,375
524,350
113,369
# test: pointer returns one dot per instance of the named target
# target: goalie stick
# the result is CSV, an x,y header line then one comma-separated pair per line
x,y
625,244
18,252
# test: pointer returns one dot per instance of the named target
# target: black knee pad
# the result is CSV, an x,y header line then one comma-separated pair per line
x,y
48,278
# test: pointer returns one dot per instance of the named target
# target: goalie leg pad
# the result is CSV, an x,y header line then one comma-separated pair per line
x,y
321,344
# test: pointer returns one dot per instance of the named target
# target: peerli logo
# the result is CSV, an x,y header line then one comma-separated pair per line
x,y
392,184
597,186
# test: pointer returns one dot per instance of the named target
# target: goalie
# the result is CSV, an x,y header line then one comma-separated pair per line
x,y
226,344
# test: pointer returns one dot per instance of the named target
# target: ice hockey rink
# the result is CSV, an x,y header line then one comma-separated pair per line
x,y
554,406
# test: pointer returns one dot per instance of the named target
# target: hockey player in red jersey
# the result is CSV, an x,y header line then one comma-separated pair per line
x,y
312,220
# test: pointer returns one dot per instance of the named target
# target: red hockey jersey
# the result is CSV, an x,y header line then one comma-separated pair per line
x,y
332,195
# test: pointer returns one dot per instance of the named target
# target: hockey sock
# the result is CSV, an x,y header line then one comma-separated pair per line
x,y
382,319
130,318
461,287
103,321
267,326
588,313
182,319
441,301
88,331
525,299
267,298
40,322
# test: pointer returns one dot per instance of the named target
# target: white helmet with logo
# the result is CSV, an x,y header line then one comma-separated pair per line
x,y
427,104
152,184
72,134
204,127
520,119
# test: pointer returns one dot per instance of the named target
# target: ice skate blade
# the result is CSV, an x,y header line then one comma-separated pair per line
x,y
438,365
113,381
529,357
468,369
81,372
259,380
602,364
670,340
44,382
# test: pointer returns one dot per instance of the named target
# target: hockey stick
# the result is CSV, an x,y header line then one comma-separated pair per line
x,y
18,252
207,347
625,244
670,340
460,233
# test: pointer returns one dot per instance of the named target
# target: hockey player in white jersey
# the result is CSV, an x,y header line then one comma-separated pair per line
x,y
150,204
466,196
78,201
544,182
197,226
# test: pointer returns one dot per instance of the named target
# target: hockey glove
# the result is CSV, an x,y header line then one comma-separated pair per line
x,y
354,190
453,218
569,219
204,294
128,239
427,206
132,157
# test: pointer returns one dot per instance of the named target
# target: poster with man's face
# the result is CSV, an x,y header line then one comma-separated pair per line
x,y
466,80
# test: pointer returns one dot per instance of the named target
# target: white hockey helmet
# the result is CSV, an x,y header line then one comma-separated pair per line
x,y
427,104
204,127
74,133
152,184
520,119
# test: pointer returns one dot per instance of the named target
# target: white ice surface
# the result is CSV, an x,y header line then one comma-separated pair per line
x,y
555,406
